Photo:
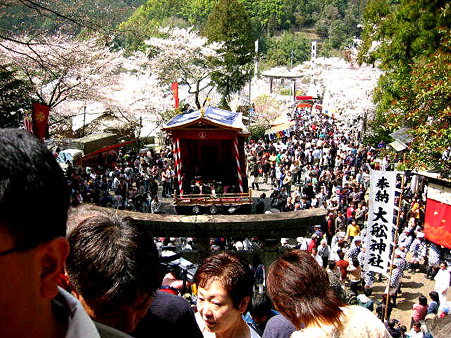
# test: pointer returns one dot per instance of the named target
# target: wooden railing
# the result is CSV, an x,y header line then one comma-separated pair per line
x,y
213,199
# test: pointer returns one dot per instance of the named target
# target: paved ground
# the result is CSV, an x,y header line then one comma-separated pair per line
x,y
413,285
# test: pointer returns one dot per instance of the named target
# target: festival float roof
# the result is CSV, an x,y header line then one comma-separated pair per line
x,y
208,117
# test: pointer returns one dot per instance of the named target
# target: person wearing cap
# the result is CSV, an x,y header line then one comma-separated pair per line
x,y
312,243
418,249
318,231
405,238
356,246
399,265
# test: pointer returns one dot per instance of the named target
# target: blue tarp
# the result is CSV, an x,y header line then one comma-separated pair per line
x,y
215,115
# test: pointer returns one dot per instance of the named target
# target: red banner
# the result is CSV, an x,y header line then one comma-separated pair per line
x,y
40,117
437,223
304,98
175,91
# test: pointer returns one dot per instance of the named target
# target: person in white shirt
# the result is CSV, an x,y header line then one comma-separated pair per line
x,y
442,282
317,257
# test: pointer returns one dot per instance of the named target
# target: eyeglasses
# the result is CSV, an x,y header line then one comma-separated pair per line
x,y
16,249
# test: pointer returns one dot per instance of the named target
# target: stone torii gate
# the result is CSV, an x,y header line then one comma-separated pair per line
x,y
269,228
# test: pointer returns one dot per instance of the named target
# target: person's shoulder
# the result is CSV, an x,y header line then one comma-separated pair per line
x,y
254,333
360,320
109,332
278,326
79,323
168,316
164,298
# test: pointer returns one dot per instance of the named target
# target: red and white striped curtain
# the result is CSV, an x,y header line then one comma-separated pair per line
x,y
178,163
238,165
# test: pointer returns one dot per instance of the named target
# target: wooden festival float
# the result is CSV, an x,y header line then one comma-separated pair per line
x,y
210,162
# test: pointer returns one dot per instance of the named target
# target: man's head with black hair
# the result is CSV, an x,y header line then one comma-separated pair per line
x,y
260,310
34,199
34,195
113,267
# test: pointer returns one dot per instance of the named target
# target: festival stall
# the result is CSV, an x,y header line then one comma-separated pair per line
x,y
209,161
281,130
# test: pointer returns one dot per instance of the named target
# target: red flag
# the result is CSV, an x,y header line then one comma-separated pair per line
x,y
40,119
304,98
437,223
175,90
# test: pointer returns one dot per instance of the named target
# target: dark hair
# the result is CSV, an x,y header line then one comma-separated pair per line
x,y
231,270
260,305
391,323
367,291
34,195
300,290
355,262
112,260
423,300
434,296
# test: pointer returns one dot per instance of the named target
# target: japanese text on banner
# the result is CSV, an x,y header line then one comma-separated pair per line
x,y
379,232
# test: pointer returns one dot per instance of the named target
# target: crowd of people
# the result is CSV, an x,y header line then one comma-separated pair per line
x,y
316,164
132,180
104,278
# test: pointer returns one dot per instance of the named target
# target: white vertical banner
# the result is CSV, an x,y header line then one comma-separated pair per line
x,y
379,231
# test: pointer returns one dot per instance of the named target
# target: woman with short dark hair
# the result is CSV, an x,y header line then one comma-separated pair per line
x,y
434,304
300,291
224,288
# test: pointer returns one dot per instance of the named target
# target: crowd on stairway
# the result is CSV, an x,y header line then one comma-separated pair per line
x,y
320,163
317,162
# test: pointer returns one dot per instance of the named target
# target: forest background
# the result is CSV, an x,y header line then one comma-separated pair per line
x,y
408,39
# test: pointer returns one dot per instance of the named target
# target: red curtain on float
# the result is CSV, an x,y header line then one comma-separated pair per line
x,y
437,223
40,117
175,91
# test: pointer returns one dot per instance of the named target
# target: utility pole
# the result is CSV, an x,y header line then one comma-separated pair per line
x,y
84,119
251,113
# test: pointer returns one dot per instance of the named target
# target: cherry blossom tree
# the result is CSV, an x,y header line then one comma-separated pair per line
x,y
73,75
266,109
61,68
184,56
